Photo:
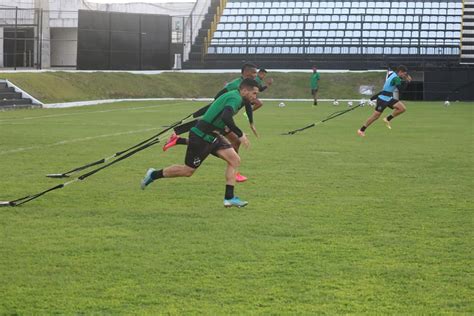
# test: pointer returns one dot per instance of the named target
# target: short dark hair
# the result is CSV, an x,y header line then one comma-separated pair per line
x,y
247,66
248,83
262,70
402,68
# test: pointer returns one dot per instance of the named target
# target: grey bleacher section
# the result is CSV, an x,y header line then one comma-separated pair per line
x,y
467,53
339,27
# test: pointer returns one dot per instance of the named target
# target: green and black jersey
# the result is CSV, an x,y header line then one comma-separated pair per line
x,y
213,114
261,84
314,81
234,84
220,113
230,86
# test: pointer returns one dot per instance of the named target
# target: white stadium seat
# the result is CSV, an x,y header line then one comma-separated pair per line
x,y
339,24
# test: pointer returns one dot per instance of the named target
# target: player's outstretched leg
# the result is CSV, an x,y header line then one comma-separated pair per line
x,y
233,162
315,97
174,171
370,120
398,109
174,140
387,121
234,140
147,179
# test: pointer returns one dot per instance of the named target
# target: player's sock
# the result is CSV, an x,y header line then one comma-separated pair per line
x,y
229,192
182,141
363,128
158,174
390,117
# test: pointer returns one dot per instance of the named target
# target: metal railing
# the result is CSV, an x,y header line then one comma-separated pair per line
x,y
193,25
215,21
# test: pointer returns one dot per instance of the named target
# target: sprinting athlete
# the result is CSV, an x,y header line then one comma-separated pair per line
x,y
206,138
262,73
249,71
385,99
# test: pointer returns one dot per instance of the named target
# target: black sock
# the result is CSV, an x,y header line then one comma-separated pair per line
x,y
229,192
363,128
157,174
182,141
390,117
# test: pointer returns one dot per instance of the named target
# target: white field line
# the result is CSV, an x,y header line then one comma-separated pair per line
x,y
205,71
87,112
77,140
96,102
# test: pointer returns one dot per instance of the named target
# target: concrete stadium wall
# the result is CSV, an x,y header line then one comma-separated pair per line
x,y
63,47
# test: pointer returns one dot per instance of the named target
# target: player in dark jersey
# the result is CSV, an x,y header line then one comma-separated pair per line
x,y
262,73
206,137
314,83
248,70
385,99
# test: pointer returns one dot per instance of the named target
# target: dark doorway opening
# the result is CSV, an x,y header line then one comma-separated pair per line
x,y
19,47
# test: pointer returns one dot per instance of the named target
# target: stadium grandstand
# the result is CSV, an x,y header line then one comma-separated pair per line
x,y
336,34
220,34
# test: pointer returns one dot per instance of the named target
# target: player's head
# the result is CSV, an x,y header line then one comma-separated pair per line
x,y
262,73
249,70
402,71
248,89
314,68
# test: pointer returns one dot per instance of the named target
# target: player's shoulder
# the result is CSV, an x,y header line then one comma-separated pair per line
x,y
233,95
239,79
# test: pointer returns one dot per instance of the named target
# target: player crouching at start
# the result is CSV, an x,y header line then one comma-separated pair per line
x,y
385,99
206,137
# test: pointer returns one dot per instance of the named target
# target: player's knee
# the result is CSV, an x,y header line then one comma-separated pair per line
x,y
235,162
400,107
377,114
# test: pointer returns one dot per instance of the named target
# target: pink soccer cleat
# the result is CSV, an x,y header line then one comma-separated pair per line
x,y
360,133
171,142
240,178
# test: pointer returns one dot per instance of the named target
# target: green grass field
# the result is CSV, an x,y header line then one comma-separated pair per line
x,y
58,86
336,223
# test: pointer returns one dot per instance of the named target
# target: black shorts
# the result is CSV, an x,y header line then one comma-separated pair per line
x,y
382,105
198,149
313,91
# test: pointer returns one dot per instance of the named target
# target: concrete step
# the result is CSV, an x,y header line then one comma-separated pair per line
x,y
13,102
19,106
206,25
197,48
195,56
9,95
9,89
202,33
